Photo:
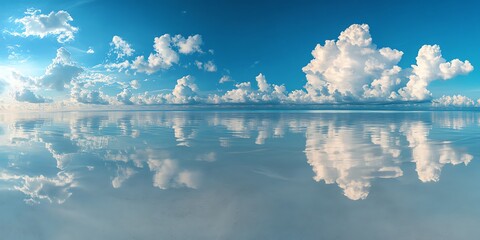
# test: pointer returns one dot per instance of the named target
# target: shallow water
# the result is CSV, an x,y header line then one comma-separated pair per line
x,y
240,175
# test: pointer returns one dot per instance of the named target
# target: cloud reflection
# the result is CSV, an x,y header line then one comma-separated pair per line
x,y
48,152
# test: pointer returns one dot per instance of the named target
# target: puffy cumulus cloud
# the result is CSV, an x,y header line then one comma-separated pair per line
x,y
244,93
431,66
166,55
121,47
207,66
263,86
184,92
188,45
26,95
353,69
90,51
60,72
41,25
453,101
86,96
163,58
124,97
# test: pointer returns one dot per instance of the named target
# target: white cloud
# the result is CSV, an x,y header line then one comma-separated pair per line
x,y
41,25
353,69
26,95
82,95
243,93
225,78
17,54
165,55
263,86
343,69
453,101
350,69
124,97
186,91
207,66
431,66
210,66
163,58
60,72
90,51
121,47
135,84
189,45
119,65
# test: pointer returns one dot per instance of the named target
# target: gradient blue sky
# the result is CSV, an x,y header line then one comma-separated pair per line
x,y
274,38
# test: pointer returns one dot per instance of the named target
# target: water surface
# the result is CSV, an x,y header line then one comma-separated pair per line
x,y
240,175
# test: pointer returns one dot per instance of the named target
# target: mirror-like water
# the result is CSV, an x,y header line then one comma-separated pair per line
x,y
240,175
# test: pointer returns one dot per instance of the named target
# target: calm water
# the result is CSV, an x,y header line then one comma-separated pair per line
x,y
240,175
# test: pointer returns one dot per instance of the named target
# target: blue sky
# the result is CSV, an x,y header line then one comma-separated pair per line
x,y
239,41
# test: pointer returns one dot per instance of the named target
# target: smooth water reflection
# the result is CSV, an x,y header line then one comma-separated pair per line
x,y
238,175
